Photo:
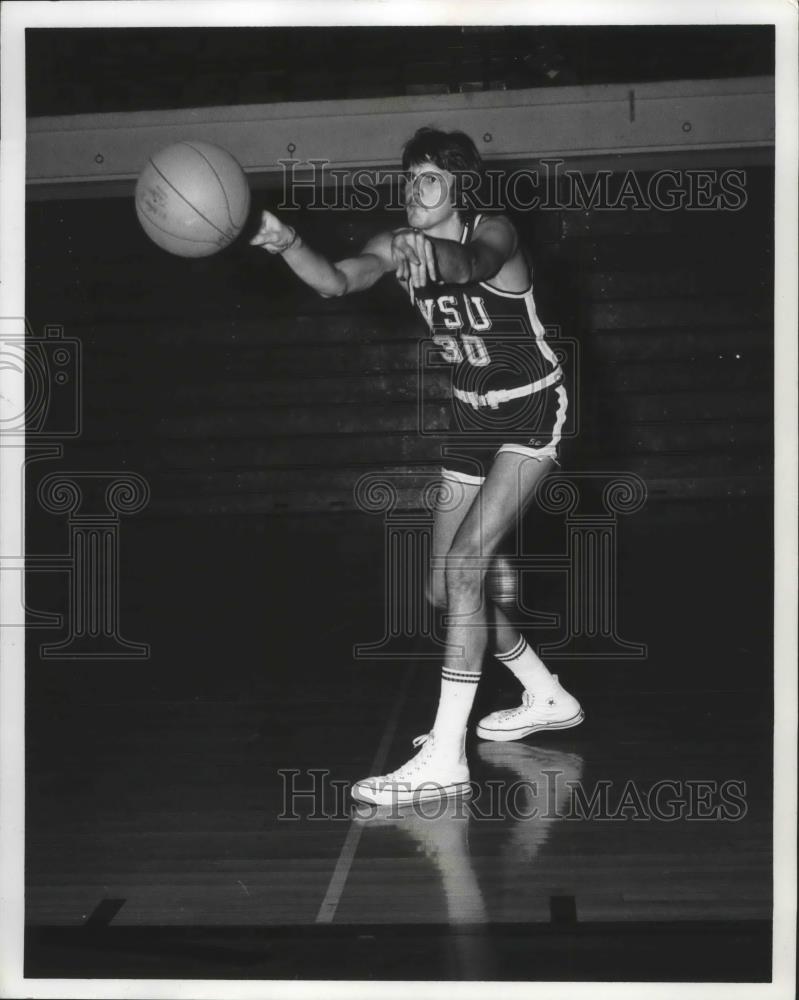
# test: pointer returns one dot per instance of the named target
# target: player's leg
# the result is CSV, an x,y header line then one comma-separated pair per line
x,y
512,650
456,495
509,646
505,493
440,767
502,587
545,703
470,523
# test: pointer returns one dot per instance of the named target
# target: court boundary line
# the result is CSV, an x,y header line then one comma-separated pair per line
x,y
338,879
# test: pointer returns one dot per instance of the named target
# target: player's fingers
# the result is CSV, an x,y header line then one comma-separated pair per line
x,y
263,233
409,253
258,236
422,258
423,242
430,258
407,248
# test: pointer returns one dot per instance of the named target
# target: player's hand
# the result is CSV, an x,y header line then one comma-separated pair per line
x,y
414,257
274,235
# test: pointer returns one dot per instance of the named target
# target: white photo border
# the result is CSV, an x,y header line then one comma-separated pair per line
x,y
211,13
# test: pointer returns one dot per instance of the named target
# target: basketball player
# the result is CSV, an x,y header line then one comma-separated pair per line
x,y
470,279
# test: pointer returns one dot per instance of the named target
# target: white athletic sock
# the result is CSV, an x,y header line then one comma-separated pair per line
x,y
458,688
528,668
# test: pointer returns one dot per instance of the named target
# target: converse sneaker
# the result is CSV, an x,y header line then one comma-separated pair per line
x,y
430,774
556,709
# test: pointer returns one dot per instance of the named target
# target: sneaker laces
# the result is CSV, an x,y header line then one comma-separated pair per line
x,y
528,700
510,713
414,764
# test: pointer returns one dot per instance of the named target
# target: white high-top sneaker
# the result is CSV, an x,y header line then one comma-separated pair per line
x,y
433,773
556,709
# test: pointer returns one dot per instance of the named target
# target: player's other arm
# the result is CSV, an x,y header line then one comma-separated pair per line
x,y
492,246
328,278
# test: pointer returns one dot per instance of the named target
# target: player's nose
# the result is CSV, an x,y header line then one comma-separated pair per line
x,y
412,194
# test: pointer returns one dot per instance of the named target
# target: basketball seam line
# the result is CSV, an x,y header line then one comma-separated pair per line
x,y
190,204
176,236
219,179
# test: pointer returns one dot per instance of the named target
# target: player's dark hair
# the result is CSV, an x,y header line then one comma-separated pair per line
x,y
451,151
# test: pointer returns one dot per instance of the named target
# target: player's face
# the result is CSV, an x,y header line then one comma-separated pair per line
x,y
428,195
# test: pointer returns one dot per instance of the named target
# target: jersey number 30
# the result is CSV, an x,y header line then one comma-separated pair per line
x,y
471,347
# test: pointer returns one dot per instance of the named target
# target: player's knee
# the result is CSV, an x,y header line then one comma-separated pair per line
x,y
465,572
502,584
436,591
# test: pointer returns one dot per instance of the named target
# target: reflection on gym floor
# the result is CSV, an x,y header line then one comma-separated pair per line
x,y
518,804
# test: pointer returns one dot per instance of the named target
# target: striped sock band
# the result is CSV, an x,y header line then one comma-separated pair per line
x,y
515,653
458,688
525,665
460,676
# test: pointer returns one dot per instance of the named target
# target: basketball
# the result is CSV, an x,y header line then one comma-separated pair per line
x,y
192,198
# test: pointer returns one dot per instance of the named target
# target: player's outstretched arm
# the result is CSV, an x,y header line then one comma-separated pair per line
x,y
329,279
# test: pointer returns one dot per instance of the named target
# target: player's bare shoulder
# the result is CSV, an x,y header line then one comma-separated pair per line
x,y
498,231
496,225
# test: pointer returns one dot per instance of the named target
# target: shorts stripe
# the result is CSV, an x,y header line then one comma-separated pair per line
x,y
472,452
563,404
462,477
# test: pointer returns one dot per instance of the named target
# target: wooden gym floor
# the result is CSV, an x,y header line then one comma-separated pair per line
x,y
157,841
